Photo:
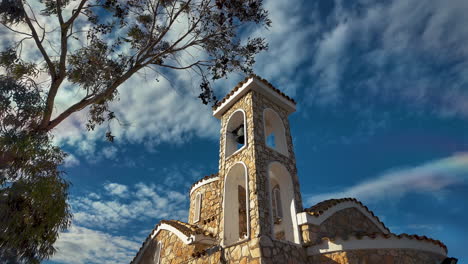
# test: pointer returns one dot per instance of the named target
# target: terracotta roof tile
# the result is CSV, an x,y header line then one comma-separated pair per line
x,y
186,228
320,208
241,83
214,175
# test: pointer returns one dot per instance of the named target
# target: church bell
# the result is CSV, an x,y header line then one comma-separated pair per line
x,y
239,134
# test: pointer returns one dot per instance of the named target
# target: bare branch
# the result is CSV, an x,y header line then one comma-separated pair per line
x,y
182,67
15,31
40,47
92,100
75,14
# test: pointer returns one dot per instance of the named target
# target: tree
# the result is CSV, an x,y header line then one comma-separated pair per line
x,y
97,45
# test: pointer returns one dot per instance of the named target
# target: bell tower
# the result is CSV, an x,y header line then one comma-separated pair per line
x,y
257,166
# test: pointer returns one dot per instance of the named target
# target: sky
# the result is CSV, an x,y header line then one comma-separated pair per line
x,y
382,116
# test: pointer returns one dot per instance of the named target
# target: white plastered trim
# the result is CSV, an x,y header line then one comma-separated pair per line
x,y
203,182
246,143
247,201
186,239
260,87
306,218
375,243
229,102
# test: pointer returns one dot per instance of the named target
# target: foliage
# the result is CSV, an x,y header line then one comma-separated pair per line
x,y
33,207
32,212
95,46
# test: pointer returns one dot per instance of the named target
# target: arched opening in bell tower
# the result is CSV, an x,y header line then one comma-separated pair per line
x,y
275,136
236,211
235,134
283,208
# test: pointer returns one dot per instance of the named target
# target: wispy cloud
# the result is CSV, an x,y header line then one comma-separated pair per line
x,y
150,111
71,161
119,204
155,113
432,177
410,52
116,189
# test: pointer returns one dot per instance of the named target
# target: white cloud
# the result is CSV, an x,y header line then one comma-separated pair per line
x,y
100,216
432,177
288,45
149,113
122,204
81,245
116,189
410,51
71,161
110,152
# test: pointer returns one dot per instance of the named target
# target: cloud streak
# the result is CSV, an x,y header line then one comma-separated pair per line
x,y
121,204
432,177
407,52
96,234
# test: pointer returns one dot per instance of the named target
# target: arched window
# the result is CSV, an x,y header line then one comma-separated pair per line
x,y
236,136
198,205
236,212
275,136
157,254
283,208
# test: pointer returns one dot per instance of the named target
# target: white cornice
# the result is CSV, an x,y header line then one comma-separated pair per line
x,y
198,238
378,242
203,182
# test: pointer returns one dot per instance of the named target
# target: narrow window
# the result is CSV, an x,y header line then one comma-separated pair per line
x,y
198,205
276,204
242,212
157,254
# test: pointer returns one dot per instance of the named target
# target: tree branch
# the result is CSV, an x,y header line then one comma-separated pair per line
x,y
61,74
76,13
182,67
40,47
92,100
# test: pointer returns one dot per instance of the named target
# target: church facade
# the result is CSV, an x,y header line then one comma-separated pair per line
x,y
251,211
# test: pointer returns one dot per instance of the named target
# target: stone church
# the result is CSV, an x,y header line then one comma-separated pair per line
x,y
251,211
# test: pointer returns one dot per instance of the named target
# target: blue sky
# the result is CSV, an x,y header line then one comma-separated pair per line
x,y
382,95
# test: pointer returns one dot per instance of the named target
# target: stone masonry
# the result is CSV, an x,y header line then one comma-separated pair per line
x,y
309,232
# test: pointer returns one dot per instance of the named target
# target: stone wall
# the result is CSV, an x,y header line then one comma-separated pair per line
x,y
257,157
173,250
264,155
210,206
281,252
378,256
245,252
246,155
349,221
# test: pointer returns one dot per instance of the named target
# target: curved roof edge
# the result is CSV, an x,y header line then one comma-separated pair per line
x,y
189,234
253,82
205,180
325,209
378,241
